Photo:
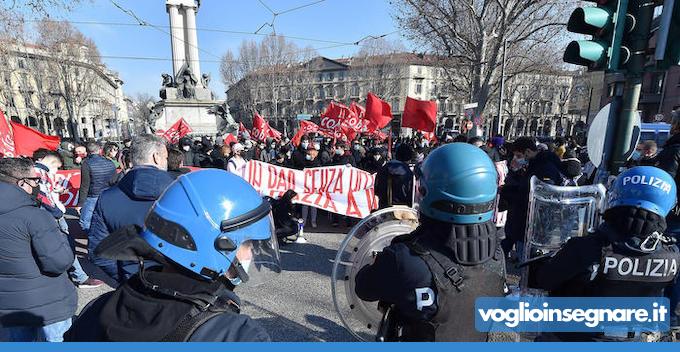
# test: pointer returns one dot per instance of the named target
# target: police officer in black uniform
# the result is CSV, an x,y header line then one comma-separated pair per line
x,y
627,256
429,279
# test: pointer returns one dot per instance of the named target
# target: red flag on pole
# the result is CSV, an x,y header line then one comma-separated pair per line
x,y
6,138
420,115
378,111
178,130
262,130
359,110
229,138
305,127
28,140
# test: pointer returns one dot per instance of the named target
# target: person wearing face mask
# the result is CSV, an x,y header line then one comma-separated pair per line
x,y
47,163
342,155
236,164
65,150
127,202
528,161
190,158
298,156
373,161
38,299
190,294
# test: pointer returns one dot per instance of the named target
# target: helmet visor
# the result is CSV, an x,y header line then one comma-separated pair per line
x,y
260,259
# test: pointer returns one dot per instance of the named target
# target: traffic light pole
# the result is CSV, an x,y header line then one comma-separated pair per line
x,y
643,11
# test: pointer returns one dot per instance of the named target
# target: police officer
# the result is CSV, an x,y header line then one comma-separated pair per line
x,y
431,277
208,240
627,256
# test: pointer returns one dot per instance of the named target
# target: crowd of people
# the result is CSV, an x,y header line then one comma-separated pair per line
x,y
124,187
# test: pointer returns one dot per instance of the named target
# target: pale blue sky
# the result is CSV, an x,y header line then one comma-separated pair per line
x,y
343,21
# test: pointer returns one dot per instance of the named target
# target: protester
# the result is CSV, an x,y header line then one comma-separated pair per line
x,y
175,166
66,149
96,173
111,153
299,154
311,160
128,202
80,153
394,181
189,158
38,299
236,163
515,193
47,163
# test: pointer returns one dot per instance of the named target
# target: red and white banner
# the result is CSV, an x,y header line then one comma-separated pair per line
x,y
178,130
6,138
339,189
70,181
305,127
262,130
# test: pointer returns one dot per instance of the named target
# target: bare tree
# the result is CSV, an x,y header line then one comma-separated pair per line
x,y
379,66
142,113
468,37
265,71
76,60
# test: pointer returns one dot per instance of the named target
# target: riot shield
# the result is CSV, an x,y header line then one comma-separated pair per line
x,y
362,244
556,214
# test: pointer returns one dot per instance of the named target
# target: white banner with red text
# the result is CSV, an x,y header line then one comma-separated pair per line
x,y
342,189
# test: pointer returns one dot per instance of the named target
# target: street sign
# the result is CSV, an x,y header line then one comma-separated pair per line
x,y
305,117
598,130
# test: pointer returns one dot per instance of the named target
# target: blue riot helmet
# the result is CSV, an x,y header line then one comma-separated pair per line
x,y
214,223
457,184
644,187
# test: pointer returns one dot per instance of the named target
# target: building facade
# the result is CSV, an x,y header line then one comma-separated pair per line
x,y
59,94
532,102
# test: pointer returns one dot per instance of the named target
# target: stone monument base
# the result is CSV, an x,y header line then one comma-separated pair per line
x,y
194,112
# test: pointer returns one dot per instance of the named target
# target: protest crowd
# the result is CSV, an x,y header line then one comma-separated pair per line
x,y
124,184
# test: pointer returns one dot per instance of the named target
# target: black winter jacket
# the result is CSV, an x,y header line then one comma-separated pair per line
x,y
34,256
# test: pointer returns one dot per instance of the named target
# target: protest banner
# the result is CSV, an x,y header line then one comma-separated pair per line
x,y
70,181
339,189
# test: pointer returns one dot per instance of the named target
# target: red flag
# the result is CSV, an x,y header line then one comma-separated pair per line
x,y
6,138
229,138
274,133
178,130
378,111
262,130
420,115
359,110
305,127
28,140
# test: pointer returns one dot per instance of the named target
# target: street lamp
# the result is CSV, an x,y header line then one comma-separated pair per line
x,y
497,131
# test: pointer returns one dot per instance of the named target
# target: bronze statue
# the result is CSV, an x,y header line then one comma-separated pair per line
x,y
186,83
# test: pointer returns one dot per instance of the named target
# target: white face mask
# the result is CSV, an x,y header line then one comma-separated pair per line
x,y
376,157
356,147
317,146
288,154
186,148
305,145
261,146
339,152
308,157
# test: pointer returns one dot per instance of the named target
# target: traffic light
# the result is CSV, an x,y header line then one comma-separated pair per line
x,y
667,43
605,23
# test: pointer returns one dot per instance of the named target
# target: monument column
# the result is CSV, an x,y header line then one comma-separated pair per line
x,y
177,38
192,39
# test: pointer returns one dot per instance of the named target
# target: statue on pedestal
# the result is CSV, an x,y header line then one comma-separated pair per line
x,y
227,123
186,83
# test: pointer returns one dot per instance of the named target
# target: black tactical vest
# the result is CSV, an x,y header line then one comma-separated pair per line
x,y
628,272
471,266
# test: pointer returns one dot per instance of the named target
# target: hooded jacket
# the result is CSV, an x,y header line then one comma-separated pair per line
x,y
34,256
127,202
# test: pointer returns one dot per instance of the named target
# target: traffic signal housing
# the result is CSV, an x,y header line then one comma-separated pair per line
x,y
601,22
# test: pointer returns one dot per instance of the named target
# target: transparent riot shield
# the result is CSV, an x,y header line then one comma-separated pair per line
x,y
362,244
556,214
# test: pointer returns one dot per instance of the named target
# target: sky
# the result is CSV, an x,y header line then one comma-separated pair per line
x,y
344,21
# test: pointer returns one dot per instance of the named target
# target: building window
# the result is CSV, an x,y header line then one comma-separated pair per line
x,y
22,63
320,77
419,70
341,76
355,90
82,120
320,93
419,88
331,76
329,92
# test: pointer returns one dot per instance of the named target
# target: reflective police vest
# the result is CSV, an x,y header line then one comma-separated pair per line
x,y
625,271
458,284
